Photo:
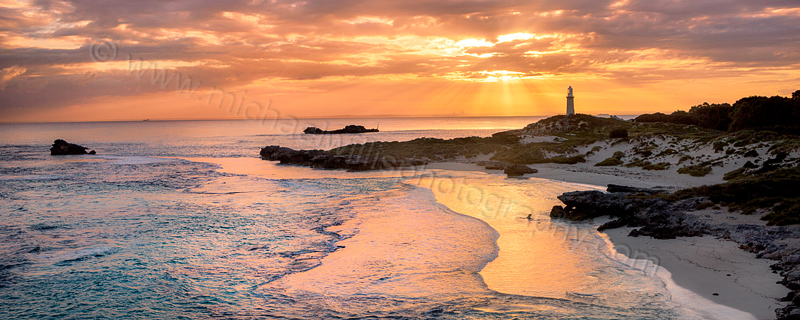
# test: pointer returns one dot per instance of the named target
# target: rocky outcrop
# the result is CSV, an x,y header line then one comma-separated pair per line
x,y
663,219
774,243
61,147
655,217
347,129
325,160
582,205
511,169
516,170
614,188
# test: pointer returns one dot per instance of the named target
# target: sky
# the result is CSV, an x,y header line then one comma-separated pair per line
x,y
103,60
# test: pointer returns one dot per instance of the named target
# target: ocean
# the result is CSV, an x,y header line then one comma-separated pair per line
x,y
182,220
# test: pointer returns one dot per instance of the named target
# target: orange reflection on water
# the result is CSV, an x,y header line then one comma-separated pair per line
x,y
537,257
272,170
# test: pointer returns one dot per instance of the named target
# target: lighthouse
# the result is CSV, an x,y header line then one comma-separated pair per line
x,y
570,102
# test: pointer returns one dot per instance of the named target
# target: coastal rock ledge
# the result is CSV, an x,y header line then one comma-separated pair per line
x,y
325,160
61,147
511,169
658,217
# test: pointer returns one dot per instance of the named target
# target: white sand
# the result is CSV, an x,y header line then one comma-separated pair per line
x,y
696,268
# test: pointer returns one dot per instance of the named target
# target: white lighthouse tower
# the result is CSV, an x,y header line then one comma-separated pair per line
x,y
570,102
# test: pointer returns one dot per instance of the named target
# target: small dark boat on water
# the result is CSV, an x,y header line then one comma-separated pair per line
x,y
348,129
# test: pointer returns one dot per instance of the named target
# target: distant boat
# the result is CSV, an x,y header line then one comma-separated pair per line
x,y
146,120
348,129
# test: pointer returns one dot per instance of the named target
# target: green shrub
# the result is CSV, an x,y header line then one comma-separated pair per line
x,y
753,192
636,162
751,154
564,160
719,145
667,152
644,153
657,166
734,174
618,133
785,213
609,162
704,205
695,170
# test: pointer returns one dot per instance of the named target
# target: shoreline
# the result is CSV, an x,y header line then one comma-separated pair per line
x,y
682,269
694,268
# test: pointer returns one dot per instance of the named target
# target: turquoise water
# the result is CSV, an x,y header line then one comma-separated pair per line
x,y
140,232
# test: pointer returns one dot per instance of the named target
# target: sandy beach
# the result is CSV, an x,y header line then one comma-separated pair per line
x,y
712,277
712,271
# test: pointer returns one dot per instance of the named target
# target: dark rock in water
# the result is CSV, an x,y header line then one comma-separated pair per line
x,y
557,212
324,160
347,129
291,156
61,147
518,170
312,130
613,224
511,169
618,188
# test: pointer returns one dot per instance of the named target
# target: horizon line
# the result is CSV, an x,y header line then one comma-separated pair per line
x,y
303,118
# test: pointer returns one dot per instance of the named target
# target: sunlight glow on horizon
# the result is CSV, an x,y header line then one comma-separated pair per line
x,y
71,61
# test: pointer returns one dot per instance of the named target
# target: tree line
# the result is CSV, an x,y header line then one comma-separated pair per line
x,y
779,114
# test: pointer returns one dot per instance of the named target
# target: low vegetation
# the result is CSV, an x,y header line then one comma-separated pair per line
x,y
699,170
431,148
618,133
734,174
647,165
609,162
775,191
